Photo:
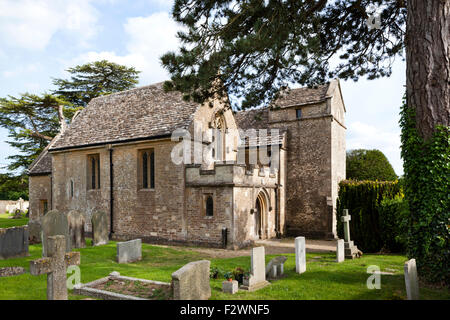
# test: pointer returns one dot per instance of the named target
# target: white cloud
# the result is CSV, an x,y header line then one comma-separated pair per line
x,y
364,136
31,24
149,38
21,69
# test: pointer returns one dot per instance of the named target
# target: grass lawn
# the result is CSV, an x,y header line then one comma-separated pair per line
x,y
324,279
6,222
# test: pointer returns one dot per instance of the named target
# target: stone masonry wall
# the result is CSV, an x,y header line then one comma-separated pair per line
x,y
308,169
39,188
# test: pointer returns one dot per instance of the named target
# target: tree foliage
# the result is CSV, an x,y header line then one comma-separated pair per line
x,y
95,79
256,46
364,199
13,187
369,165
426,173
33,120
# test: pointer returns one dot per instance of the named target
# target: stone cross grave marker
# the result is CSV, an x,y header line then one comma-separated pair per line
x,y
300,255
54,223
351,251
257,277
55,267
411,281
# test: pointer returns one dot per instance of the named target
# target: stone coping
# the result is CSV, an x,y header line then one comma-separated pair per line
x,y
87,290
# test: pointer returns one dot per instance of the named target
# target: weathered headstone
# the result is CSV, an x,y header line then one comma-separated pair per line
x,y
77,223
191,282
99,228
34,231
129,251
55,267
13,242
257,278
54,223
411,280
340,250
300,254
351,251
230,286
275,267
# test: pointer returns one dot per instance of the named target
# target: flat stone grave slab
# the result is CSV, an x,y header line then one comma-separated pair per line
x,y
129,251
117,287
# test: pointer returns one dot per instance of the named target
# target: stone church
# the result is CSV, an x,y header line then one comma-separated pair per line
x,y
117,157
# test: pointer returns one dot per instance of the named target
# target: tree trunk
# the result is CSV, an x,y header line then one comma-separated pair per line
x,y
427,63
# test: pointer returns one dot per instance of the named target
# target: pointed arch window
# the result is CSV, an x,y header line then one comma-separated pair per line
x,y
94,171
147,169
209,205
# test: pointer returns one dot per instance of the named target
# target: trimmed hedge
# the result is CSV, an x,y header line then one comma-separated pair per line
x,y
371,230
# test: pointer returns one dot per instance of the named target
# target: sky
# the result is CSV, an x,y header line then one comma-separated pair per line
x,y
40,39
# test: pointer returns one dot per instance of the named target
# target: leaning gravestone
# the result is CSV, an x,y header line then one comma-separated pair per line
x,y
191,282
99,228
411,281
129,251
300,254
275,267
55,267
257,278
54,223
77,223
340,250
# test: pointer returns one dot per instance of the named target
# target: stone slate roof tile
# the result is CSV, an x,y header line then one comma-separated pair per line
x,y
140,113
253,119
301,96
42,164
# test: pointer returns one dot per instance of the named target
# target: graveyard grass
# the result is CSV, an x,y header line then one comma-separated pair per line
x,y
6,222
324,278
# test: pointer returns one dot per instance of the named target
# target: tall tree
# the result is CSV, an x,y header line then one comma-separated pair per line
x,y
364,164
258,46
33,120
95,79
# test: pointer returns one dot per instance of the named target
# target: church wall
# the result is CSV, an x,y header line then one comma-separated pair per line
x,y
72,166
203,228
39,188
309,181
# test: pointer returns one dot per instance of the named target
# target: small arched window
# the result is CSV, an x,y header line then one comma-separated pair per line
x,y
209,206
147,169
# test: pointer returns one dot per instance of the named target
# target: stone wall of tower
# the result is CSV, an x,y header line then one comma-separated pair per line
x,y
315,165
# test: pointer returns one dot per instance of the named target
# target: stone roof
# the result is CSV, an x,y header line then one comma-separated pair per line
x,y
301,96
257,119
136,114
252,119
42,165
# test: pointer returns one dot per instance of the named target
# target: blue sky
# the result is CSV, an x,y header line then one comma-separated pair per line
x,y
40,39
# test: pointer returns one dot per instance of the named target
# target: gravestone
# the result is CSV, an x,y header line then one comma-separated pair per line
x,y
300,254
230,286
100,231
13,242
340,250
55,267
411,280
191,282
275,267
34,231
257,278
351,251
77,223
129,251
54,223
